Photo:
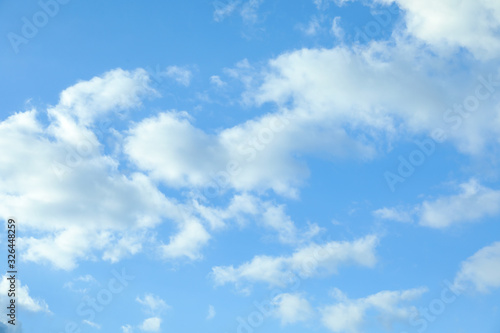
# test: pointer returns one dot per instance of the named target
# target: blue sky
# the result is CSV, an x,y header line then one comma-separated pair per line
x,y
252,165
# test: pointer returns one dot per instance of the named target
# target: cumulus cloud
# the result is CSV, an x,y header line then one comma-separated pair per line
x,y
82,207
23,298
473,203
152,324
116,89
153,304
343,102
292,308
384,89
481,271
305,262
394,214
179,74
187,242
256,155
197,220
73,196
470,24
349,315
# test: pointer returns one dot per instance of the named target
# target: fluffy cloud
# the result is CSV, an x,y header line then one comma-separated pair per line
x,y
481,271
73,196
349,315
473,203
292,308
256,155
385,89
305,262
187,242
470,24
181,75
23,298
152,324
343,102
197,219
79,203
153,304
216,80
246,157
115,90
470,205
394,214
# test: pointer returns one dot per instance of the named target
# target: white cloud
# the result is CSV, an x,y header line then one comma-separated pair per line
x,y
336,29
305,262
216,80
342,102
125,245
151,324
224,9
292,308
275,218
343,317
313,27
247,9
445,24
23,298
91,324
153,304
71,184
177,162
211,312
394,214
256,155
187,242
367,88
473,203
181,75
349,315
116,89
481,271
127,329
196,220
